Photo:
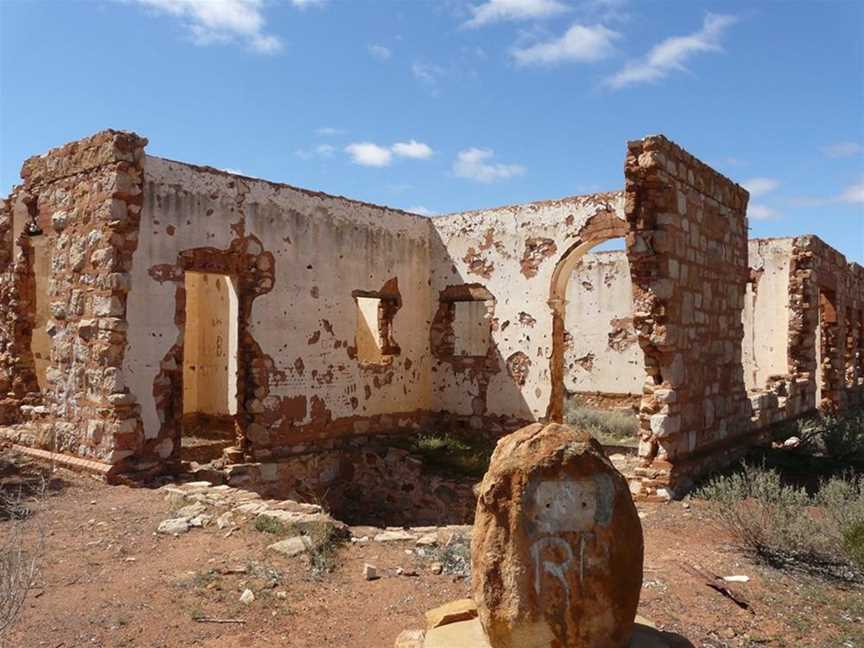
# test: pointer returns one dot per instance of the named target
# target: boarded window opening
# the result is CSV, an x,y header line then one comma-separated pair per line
x,y
471,328
210,344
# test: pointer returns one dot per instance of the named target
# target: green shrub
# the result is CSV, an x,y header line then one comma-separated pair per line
x,y
853,543
267,524
607,426
783,524
459,454
840,438
326,539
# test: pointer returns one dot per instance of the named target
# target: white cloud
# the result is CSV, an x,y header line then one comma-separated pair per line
x,y
419,209
579,43
428,74
221,21
328,131
843,150
369,154
499,10
412,149
762,212
379,52
305,4
670,55
854,193
760,186
322,151
474,164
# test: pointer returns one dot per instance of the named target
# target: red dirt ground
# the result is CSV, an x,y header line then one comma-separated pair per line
x,y
108,580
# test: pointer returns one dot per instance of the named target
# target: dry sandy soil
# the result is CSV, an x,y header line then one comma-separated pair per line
x,y
108,580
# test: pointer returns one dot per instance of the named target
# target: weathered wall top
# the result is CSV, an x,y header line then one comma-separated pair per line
x,y
103,148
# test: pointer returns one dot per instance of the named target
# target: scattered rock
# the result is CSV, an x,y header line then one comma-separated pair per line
x,y
557,545
247,597
464,634
436,567
394,536
410,639
370,572
190,511
453,612
291,547
173,526
427,540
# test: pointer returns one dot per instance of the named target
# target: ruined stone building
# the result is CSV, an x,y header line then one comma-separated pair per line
x,y
144,301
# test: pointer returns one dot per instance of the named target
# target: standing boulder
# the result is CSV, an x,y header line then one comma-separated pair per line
x,y
557,546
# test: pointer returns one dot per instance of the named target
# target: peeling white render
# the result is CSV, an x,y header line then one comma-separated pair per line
x,y
603,353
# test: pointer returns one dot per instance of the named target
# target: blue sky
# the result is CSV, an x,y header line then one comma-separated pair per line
x,y
457,104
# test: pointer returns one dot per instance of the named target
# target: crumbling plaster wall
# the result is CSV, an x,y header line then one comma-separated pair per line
x,y
602,353
510,254
297,256
766,311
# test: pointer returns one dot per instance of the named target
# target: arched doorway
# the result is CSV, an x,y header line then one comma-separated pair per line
x,y
606,323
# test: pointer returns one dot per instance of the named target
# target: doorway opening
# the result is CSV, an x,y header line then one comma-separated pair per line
x,y
601,367
210,357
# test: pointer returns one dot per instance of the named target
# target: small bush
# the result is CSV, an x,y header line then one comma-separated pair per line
x,y
840,438
455,558
267,524
783,524
853,543
325,542
462,455
607,426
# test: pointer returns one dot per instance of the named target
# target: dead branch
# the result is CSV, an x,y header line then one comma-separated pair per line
x,y
718,584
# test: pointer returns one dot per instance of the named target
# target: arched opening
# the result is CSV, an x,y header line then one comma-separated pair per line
x,y
597,365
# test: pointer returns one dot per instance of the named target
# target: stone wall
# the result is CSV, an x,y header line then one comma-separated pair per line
x,y
826,321
688,256
463,319
79,205
362,480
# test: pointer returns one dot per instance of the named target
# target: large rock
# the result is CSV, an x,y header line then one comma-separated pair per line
x,y
557,545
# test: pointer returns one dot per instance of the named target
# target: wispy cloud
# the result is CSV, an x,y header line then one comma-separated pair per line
x,y
375,155
428,75
380,52
580,43
369,154
221,21
853,194
329,131
670,55
475,164
412,149
762,212
305,4
419,209
760,186
321,151
843,150
500,10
